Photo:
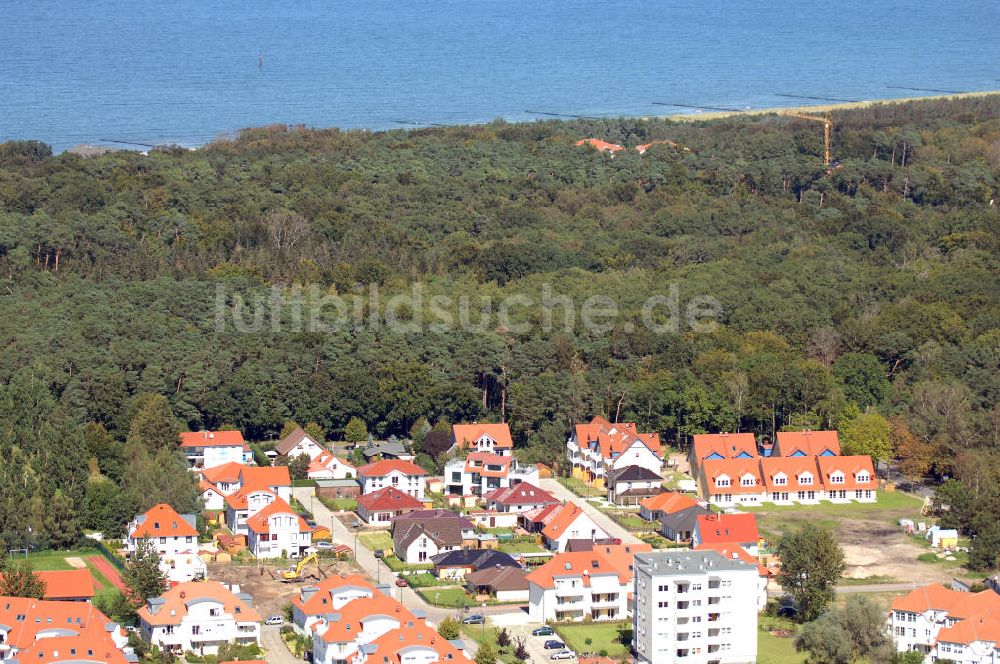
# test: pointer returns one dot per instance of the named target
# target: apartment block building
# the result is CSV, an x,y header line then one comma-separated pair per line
x,y
695,607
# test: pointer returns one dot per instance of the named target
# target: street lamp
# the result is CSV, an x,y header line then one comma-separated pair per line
x,y
484,622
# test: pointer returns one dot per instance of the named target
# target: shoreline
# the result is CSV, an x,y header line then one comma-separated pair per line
x,y
814,108
680,116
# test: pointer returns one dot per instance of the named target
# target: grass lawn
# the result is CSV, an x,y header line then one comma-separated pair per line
x,y
632,521
428,580
603,636
340,504
672,479
480,635
376,540
453,597
774,649
520,547
881,600
773,520
54,560
581,488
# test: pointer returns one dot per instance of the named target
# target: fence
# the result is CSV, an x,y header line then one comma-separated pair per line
x,y
112,557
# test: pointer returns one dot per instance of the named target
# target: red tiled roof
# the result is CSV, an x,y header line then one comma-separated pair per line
x,y
259,521
613,440
265,476
794,469
181,595
558,522
325,460
315,605
487,459
524,493
717,529
467,434
726,445
585,564
851,467
353,615
388,499
44,615
734,469
735,552
212,439
669,502
394,645
598,144
383,468
162,520
238,500
227,472
84,648
66,584
812,443
982,628
932,596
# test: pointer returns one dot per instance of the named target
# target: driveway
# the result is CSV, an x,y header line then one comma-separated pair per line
x,y
277,653
601,519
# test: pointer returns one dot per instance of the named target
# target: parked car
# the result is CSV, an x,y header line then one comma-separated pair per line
x,y
323,546
378,553
554,644
544,630
401,582
563,654
474,619
275,620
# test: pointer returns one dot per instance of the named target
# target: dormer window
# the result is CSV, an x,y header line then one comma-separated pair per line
x,y
748,480
837,479
805,479
722,481
863,476
781,480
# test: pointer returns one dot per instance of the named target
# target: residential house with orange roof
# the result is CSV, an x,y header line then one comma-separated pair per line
x,y
297,443
339,636
721,446
328,466
482,472
600,146
597,448
848,478
946,624
668,502
175,538
790,480
199,617
728,482
579,585
727,529
219,483
405,476
36,630
806,443
412,644
277,531
379,507
326,597
207,449
477,437
567,522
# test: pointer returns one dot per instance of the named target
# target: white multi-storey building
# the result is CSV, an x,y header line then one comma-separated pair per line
x,y
482,472
404,476
600,447
208,449
199,617
947,624
277,530
175,538
695,607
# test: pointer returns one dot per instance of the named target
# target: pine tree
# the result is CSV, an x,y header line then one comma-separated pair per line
x,y
154,425
62,524
143,576
487,653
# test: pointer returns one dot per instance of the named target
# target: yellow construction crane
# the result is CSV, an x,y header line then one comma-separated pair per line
x,y
827,126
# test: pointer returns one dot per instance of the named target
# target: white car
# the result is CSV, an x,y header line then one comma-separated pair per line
x,y
323,546
563,654
275,620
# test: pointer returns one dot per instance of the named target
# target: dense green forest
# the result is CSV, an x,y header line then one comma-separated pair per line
x,y
863,297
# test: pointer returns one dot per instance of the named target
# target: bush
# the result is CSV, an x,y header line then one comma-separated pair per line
x,y
449,629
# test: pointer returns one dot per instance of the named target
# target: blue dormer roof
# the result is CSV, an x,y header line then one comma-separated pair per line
x,y
743,455
827,453
798,453
714,455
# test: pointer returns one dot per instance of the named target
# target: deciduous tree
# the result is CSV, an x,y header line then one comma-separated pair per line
x,y
811,565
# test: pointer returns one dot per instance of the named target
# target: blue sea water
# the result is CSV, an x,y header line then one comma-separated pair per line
x,y
187,71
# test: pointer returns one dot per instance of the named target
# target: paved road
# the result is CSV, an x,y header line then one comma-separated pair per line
x,y
379,571
277,652
601,519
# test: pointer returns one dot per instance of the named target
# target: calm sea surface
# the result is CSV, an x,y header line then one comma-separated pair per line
x,y
187,71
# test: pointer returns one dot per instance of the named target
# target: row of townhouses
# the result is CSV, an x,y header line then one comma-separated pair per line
x,y
946,624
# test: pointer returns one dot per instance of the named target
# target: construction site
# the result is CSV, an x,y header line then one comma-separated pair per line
x,y
274,584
